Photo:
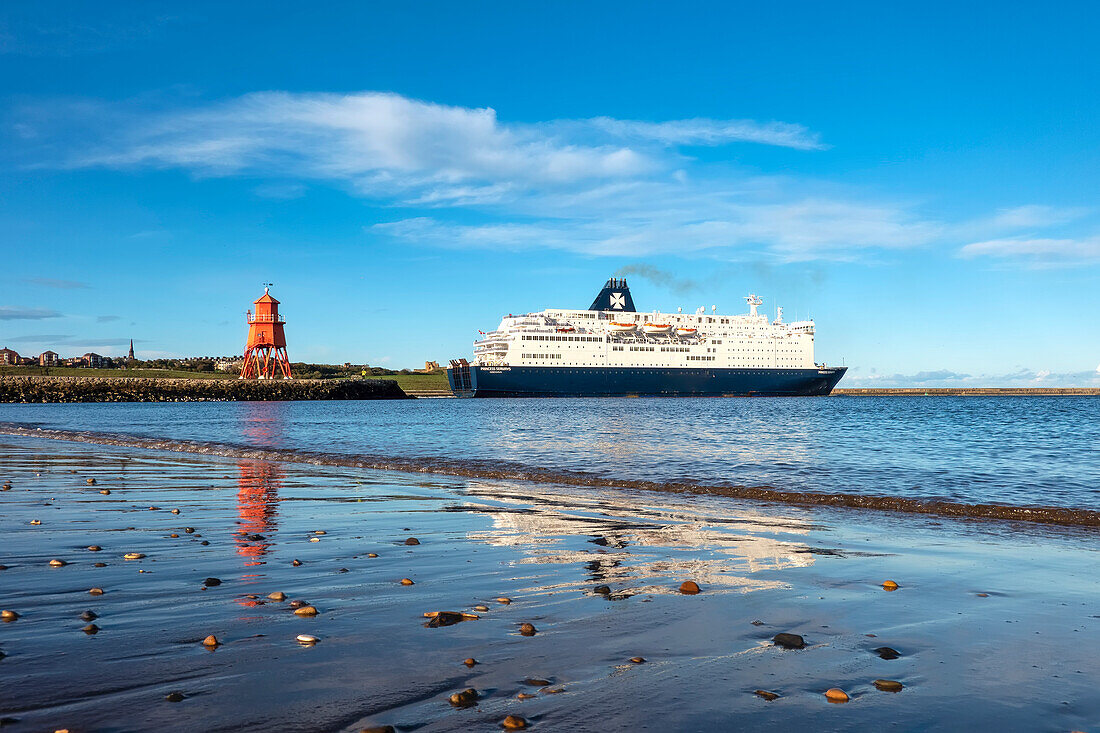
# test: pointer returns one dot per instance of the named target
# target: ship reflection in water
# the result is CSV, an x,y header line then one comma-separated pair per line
x,y
637,545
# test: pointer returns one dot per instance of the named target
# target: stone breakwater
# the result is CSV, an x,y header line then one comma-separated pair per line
x,y
136,389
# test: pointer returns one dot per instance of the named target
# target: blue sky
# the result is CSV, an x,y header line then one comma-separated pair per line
x,y
921,181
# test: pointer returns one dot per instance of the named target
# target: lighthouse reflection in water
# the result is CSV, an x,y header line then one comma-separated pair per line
x,y
258,484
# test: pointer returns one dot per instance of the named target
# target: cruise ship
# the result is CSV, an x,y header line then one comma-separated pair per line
x,y
611,349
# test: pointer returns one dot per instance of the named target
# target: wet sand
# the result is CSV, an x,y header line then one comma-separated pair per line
x,y
996,623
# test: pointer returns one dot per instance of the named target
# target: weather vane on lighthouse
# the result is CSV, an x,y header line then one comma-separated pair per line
x,y
265,354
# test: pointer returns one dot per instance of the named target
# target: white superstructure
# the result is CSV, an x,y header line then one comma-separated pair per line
x,y
621,337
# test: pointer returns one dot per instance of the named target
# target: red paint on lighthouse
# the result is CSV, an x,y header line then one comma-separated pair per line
x,y
265,355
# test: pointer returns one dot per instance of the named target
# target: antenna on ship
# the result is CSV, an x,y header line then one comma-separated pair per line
x,y
753,302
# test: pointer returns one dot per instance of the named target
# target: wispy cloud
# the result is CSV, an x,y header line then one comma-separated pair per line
x,y
596,186
16,313
49,282
1041,252
701,131
107,319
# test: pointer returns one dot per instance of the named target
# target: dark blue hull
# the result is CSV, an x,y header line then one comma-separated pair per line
x,y
480,381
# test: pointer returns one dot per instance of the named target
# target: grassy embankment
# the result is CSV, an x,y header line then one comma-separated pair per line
x,y
419,382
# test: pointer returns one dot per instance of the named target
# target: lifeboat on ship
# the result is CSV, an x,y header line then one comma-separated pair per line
x,y
656,328
566,329
684,331
614,327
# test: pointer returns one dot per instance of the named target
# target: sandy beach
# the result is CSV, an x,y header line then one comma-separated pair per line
x,y
994,624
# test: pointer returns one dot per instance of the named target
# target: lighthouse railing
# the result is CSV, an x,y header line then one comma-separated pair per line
x,y
266,319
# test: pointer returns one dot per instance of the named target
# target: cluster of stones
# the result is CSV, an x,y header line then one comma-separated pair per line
x,y
138,389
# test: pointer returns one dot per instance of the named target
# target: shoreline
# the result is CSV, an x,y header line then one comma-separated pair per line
x,y
44,389
981,611
1048,515
967,391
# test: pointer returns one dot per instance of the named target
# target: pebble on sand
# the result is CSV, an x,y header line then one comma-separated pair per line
x,y
437,619
689,587
407,581
889,585
464,699
296,563
372,554
320,531
503,600
886,652
277,596
7,615
174,697
175,511
469,661
58,563
211,582
514,722
789,641
525,696
379,729
638,660
769,696
36,522
105,492
99,565
412,541
528,629
94,548
835,694
211,641
95,591
174,536
306,639
603,590
305,611
888,685
91,482
90,629
298,604
133,556
536,682
89,616
314,539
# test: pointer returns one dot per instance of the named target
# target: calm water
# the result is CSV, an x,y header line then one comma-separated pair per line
x,y
1011,450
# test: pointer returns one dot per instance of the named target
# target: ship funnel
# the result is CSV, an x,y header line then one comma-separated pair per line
x,y
615,296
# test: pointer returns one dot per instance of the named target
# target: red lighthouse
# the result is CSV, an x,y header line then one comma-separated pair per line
x,y
265,355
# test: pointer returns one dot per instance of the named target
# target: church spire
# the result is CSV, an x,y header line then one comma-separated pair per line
x,y
130,355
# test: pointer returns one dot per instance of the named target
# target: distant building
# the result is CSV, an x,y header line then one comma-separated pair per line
x,y
130,353
93,361
430,367
8,357
229,365
48,359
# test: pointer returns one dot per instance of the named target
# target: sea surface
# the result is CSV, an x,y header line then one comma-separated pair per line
x,y
1017,451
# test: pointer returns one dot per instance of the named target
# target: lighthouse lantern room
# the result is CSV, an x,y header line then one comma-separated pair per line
x,y
265,355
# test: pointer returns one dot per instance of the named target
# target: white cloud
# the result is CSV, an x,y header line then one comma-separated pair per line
x,y
598,186
1035,215
701,131
1038,251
